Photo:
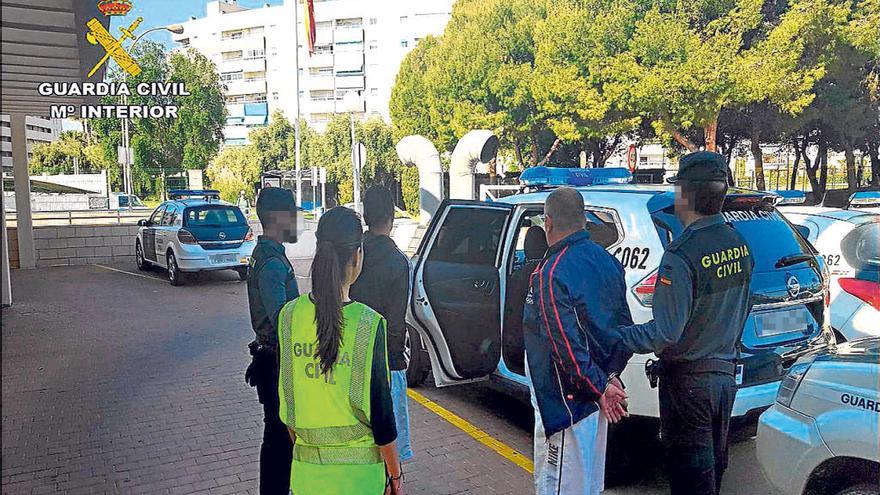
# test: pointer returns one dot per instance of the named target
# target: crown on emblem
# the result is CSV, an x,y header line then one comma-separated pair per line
x,y
114,7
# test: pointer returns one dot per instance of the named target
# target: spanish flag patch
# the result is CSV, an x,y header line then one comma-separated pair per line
x,y
665,281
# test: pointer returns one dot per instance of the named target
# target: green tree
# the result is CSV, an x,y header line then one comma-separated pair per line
x,y
168,145
409,107
236,169
271,143
574,43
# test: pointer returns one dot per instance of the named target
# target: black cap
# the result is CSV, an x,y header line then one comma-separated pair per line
x,y
701,166
276,199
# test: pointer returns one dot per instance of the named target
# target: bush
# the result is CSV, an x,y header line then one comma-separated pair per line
x,y
409,185
345,192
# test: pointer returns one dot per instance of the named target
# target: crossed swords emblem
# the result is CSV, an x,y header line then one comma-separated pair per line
x,y
99,34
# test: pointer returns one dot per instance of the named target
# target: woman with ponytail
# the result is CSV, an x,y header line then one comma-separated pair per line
x,y
334,385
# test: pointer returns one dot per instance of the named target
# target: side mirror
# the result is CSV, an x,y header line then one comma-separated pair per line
x,y
143,223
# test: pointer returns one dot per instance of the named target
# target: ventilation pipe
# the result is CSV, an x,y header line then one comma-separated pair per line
x,y
420,152
477,146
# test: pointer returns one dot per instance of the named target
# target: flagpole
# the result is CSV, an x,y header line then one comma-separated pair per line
x,y
296,122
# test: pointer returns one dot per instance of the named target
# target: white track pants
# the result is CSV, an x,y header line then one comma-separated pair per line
x,y
571,462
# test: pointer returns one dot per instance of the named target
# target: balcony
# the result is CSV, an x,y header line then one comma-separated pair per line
x,y
323,36
349,61
320,82
243,65
235,132
349,82
243,87
348,35
243,44
321,60
320,106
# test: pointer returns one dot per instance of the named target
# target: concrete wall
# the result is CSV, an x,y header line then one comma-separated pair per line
x,y
76,245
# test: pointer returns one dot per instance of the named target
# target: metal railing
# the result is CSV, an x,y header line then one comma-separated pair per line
x,y
83,217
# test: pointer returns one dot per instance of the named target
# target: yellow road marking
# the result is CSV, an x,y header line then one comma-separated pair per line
x,y
477,434
129,273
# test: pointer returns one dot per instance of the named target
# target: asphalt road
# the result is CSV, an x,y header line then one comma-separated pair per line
x,y
116,382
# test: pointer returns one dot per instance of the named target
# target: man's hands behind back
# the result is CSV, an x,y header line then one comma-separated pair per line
x,y
613,401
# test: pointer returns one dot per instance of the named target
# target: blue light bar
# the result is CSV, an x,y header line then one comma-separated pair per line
x,y
194,193
558,176
790,197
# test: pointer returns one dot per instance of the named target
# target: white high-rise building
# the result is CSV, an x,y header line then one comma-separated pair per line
x,y
37,130
358,48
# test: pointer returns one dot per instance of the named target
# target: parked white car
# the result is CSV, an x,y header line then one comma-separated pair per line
x,y
195,232
822,437
864,201
849,241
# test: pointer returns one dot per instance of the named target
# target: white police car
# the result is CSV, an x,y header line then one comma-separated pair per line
x,y
472,248
193,232
822,436
865,201
849,241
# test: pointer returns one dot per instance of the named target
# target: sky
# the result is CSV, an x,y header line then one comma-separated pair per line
x,y
166,12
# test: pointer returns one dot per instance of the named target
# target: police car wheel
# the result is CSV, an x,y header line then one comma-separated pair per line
x,y
139,257
175,276
862,489
242,273
419,362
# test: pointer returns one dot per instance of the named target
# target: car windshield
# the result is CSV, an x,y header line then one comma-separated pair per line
x,y
214,216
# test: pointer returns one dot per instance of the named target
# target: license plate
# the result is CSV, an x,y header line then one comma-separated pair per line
x,y
795,320
218,259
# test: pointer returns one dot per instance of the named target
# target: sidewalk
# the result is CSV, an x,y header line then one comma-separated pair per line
x,y
120,383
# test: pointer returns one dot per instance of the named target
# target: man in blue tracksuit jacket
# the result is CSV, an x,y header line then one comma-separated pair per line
x,y
576,298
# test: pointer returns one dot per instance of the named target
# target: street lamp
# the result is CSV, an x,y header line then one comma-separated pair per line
x,y
128,179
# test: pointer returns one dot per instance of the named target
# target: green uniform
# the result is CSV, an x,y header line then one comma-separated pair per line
x,y
335,450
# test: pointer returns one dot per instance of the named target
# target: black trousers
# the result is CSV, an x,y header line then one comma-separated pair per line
x,y
276,452
694,422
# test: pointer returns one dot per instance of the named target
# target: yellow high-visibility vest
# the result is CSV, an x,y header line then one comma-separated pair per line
x,y
335,451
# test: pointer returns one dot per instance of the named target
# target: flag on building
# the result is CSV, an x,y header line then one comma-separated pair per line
x,y
309,6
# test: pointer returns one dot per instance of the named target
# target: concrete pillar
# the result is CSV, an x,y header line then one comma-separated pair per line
x,y
26,254
5,285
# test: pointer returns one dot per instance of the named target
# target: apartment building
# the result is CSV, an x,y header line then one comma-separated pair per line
x,y
38,130
359,46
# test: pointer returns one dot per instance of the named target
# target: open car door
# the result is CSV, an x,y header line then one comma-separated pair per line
x,y
457,295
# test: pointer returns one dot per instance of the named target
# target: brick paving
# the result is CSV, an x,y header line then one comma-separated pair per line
x,y
120,384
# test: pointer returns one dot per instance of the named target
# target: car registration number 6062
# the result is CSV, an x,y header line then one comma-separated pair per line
x,y
795,320
223,258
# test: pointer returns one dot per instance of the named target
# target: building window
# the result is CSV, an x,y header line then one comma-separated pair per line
x,y
404,43
6,139
255,54
7,154
229,56
373,21
374,45
353,23
374,91
403,19
275,96
231,76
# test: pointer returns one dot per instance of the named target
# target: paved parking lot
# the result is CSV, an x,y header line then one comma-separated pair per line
x,y
116,382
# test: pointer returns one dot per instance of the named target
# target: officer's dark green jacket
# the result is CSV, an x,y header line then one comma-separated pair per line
x,y
701,299
271,284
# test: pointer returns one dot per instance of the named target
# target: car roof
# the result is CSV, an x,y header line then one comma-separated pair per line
x,y
826,212
612,194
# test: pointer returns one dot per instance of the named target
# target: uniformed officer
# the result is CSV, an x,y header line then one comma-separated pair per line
x,y
271,284
701,303
334,388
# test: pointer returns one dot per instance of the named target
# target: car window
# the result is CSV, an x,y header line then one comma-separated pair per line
x,y
213,216
804,230
156,217
601,224
168,216
123,201
757,222
469,236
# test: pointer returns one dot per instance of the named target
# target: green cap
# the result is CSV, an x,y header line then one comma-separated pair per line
x,y
701,166
275,199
